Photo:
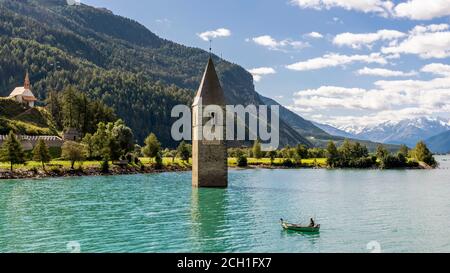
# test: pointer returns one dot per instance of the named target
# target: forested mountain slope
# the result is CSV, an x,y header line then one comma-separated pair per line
x,y
114,59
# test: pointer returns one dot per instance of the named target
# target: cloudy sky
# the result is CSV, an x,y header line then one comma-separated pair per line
x,y
341,62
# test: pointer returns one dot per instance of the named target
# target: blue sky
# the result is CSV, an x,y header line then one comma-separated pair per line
x,y
367,61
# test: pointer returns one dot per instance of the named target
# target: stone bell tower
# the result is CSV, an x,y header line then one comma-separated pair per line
x,y
209,152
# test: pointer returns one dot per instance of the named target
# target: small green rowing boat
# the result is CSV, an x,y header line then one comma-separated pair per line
x,y
299,228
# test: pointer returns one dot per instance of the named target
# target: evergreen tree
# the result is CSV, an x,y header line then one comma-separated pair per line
x,y
404,150
301,151
41,153
332,155
242,161
158,160
183,151
359,151
346,150
423,154
381,152
272,155
12,151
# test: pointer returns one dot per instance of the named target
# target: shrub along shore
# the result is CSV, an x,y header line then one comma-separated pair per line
x,y
62,168
111,150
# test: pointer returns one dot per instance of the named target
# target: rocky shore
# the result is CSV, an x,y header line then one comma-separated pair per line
x,y
91,171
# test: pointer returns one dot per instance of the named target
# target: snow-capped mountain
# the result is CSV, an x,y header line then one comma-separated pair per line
x,y
408,131
334,131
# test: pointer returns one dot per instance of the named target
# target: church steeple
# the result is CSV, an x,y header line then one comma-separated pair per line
x,y
210,90
209,156
26,84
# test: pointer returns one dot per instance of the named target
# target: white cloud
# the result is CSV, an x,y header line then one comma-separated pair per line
x,y
381,72
220,32
437,69
334,59
429,28
357,40
259,72
423,9
347,121
426,44
315,35
389,100
272,44
326,97
411,9
377,6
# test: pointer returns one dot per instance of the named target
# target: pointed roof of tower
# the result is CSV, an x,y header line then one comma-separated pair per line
x,y
26,83
210,90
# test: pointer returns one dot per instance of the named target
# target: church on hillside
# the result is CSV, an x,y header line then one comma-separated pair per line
x,y
23,93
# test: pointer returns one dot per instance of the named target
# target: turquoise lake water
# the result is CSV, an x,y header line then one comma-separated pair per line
x,y
401,210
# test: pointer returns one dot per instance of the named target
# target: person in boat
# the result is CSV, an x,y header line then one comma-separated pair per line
x,y
312,223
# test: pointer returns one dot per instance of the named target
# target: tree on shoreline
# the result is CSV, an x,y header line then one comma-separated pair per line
x,y
332,155
241,159
73,151
272,154
404,150
257,153
88,141
381,152
423,154
301,151
41,153
152,146
112,141
12,151
183,151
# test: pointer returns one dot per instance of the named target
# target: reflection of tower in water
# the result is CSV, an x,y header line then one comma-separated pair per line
x,y
208,220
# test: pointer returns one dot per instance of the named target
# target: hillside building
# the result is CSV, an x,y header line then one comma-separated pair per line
x,y
23,93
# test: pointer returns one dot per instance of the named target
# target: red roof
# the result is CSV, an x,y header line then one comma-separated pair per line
x,y
29,98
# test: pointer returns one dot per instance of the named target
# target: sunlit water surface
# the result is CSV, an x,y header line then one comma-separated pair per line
x,y
402,210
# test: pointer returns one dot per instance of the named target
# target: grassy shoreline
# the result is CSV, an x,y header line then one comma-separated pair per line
x,y
61,168
167,162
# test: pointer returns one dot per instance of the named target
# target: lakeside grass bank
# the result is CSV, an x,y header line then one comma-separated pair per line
x,y
61,168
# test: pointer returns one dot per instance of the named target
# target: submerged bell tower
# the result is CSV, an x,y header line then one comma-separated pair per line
x,y
209,151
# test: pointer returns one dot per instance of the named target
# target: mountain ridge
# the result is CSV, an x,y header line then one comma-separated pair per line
x,y
139,74
406,131
439,143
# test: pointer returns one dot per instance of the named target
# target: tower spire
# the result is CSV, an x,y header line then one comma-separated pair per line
x,y
210,48
26,83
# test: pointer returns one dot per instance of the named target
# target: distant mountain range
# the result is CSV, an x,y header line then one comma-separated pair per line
x,y
408,131
440,143
334,131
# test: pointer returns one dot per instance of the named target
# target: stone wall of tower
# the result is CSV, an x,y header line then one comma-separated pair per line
x,y
209,166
